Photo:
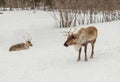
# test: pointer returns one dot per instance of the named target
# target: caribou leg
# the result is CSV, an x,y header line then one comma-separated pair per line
x,y
79,56
86,51
93,44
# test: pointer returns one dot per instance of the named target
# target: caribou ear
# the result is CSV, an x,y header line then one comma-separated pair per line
x,y
74,37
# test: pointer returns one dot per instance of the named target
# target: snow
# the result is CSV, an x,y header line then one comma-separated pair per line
x,y
48,60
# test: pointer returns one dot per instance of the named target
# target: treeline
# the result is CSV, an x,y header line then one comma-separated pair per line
x,y
25,4
98,4
77,12
71,12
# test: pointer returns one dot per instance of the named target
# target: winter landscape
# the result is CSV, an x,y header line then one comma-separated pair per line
x,y
48,60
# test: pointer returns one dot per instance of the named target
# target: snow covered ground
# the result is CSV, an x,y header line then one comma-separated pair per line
x,y
48,60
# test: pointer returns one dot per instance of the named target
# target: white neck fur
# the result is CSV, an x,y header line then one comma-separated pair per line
x,y
77,47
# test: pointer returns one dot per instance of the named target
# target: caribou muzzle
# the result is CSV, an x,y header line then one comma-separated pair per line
x,y
31,45
65,44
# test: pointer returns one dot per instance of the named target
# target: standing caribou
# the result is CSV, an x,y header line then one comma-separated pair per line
x,y
82,37
22,46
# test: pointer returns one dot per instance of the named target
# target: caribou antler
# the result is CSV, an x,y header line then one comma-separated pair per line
x,y
27,37
67,33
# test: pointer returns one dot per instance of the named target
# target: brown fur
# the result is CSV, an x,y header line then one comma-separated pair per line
x,y
81,38
21,46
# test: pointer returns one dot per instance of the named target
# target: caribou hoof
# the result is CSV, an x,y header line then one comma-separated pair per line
x,y
78,60
91,56
86,59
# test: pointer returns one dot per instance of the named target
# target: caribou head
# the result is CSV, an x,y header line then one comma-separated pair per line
x,y
71,38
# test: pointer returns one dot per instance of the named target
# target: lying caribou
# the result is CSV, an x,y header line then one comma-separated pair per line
x,y
22,46
82,37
